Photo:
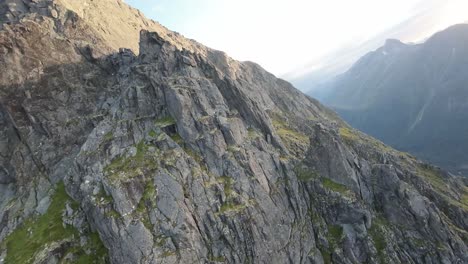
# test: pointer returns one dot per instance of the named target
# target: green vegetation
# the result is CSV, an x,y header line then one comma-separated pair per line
x,y
177,139
419,242
73,122
378,236
227,182
165,122
194,155
305,174
108,136
123,168
217,259
436,180
147,200
150,193
353,137
289,136
40,232
233,148
334,186
204,118
113,214
94,245
153,134
326,254
464,199
315,217
102,197
441,246
169,158
349,135
160,240
253,134
335,235
433,177
231,207
168,254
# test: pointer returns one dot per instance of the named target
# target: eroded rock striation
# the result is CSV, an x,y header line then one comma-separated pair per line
x,y
182,155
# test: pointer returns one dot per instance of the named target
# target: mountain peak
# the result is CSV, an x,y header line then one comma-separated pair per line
x,y
426,82
392,45
114,21
456,33
180,154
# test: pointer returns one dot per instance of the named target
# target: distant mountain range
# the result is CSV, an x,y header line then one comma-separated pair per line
x,y
413,97
314,78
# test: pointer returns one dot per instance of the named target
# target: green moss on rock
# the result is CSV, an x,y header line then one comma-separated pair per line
x,y
113,214
464,199
353,137
378,236
326,254
349,135
334,186
148,200
177,139
230,207
153,134
227,182
123,168
253,134
194,155
165,122
108,136
335,235
97,252
305,174
218,259
37,233
439,183
290,137
102,198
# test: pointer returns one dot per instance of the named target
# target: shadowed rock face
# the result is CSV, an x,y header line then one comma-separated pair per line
x,y
412,97
179,156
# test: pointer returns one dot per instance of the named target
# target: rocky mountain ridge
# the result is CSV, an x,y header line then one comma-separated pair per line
x,y
182,155
412,97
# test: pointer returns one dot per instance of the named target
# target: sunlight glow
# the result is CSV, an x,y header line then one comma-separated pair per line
x,y
283,35
455,12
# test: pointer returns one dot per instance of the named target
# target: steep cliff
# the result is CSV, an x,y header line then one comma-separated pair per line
x,y
182,155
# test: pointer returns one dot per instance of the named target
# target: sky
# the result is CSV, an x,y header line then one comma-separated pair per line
x,y
285,35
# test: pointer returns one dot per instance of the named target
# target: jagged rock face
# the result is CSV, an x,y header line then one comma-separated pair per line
x,y
178,156
412,97
117,24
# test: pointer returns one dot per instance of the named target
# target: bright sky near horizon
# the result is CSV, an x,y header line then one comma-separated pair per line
x,y
283,35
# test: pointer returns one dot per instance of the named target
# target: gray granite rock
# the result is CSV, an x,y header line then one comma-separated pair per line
x,y
182,155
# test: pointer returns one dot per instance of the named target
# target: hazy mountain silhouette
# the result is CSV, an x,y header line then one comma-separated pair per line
x,y
315,77
413,97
